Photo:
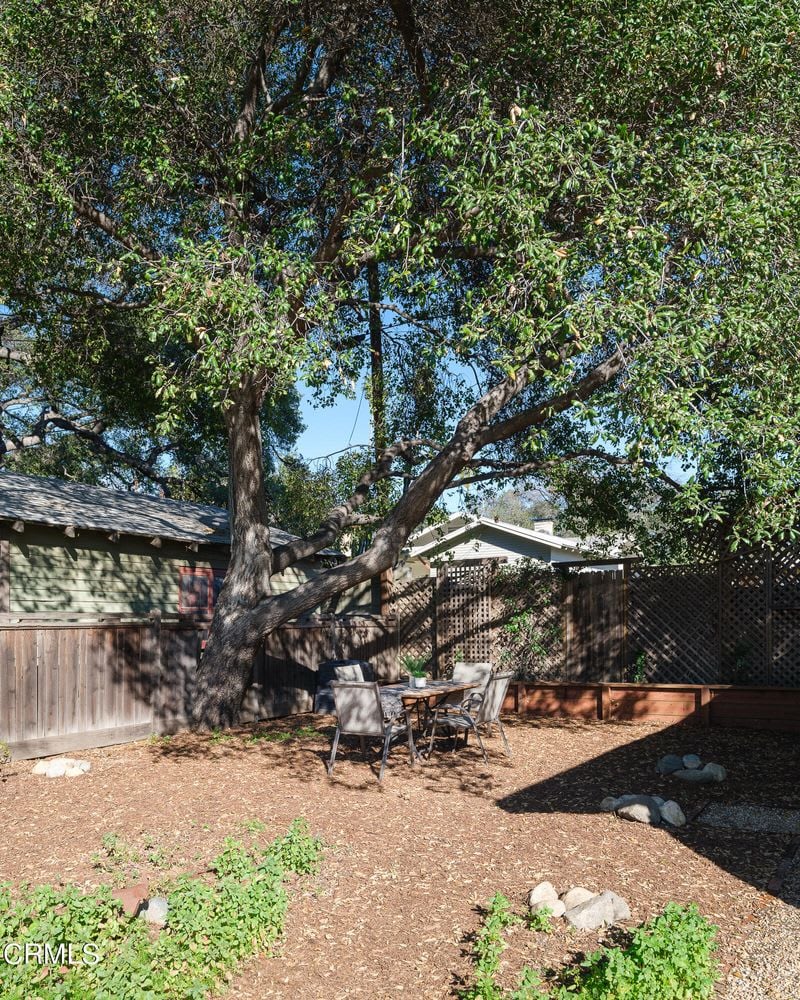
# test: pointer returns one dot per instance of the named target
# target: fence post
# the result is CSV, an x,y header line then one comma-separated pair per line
x,y
768,644
623,667
155,669
605,702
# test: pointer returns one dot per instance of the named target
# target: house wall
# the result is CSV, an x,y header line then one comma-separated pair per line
x,y
49,573
489,543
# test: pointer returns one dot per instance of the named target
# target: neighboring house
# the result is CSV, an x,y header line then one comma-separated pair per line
x,y
469,538
75,549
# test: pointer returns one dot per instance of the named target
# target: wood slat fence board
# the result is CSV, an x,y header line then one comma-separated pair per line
x,y
73,685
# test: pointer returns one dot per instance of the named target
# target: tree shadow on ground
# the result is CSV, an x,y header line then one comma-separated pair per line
x,y
762,771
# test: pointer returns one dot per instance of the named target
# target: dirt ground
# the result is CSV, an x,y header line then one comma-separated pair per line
x,y
408,865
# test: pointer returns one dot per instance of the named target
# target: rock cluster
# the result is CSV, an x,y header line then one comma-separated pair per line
x,y
62,767
135,903
581,908
650,809
690,768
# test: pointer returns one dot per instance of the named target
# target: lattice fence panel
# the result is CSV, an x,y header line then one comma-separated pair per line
x,y
744,597
413,604
671,620
464,612
786,648
527,622
785,593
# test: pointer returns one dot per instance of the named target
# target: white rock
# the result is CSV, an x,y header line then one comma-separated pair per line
x,y
73,772
56,769
620,908
595,912
609,804
542,895
85,766
672,813
576,895
155,911
691,761
555,906
717,770
642,810
40,767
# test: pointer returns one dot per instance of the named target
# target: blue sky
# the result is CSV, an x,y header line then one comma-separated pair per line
x,y
331,428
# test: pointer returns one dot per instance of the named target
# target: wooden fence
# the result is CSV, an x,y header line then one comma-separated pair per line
x,y
736,621
69,685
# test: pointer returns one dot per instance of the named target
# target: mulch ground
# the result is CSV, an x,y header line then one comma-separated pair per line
x,y
409,865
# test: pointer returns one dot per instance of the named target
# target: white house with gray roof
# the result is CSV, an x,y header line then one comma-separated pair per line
x,y
468,538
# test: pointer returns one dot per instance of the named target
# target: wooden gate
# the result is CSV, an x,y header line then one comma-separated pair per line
x,y
594,626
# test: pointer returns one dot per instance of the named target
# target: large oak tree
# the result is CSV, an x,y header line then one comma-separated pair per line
x,y
570,229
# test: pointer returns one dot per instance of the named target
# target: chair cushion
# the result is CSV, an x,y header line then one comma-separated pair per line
x,y
343,670
338,670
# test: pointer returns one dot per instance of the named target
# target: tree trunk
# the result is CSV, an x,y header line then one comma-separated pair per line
x,y
234,638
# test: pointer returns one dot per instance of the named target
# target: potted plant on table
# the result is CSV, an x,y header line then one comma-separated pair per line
x,y
415,668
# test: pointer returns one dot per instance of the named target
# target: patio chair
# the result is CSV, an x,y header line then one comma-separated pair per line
x,y
359,712
468,718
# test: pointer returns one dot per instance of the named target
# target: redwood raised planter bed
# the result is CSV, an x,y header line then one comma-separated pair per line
x,y
701,704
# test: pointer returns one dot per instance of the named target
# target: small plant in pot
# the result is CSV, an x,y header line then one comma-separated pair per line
x,y
415,668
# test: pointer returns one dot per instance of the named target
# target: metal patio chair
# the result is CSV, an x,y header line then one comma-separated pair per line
x,y
469,717
359,712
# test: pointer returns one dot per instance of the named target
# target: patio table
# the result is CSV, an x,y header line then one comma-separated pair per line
x,y
401,698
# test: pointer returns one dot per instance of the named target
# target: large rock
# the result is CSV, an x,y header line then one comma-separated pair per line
x,y
591,914
672,813
609,804
619,907
59,767
717,770
691,761
555,907
671,762
695,777
576,895
155,910
542,894
643,809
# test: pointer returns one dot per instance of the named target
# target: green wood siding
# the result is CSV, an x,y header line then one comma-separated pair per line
x,y
90,574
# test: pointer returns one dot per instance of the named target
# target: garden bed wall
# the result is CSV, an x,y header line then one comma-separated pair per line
x,y
698,704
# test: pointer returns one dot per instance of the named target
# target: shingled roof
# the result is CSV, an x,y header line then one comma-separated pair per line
x,y
60,503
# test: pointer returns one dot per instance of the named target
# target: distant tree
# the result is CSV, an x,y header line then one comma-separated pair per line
x,y
523,508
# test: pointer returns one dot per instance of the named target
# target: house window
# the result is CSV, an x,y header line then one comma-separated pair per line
x,y
198,589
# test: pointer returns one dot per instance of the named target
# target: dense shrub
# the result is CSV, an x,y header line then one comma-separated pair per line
x,y
212,924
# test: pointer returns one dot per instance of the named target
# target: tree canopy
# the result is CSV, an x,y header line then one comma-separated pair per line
x,y
575,226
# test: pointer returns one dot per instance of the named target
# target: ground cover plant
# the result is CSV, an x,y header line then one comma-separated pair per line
x,y
213,923
670,957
